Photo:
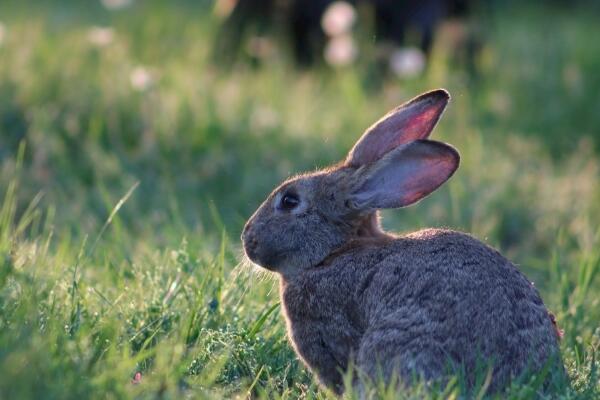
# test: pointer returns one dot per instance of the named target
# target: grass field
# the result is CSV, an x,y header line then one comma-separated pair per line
x,y
128,164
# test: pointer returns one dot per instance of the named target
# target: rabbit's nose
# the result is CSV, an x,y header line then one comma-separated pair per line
x,y
248,239
245,231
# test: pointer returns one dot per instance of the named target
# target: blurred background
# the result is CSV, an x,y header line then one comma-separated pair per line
x,y
136,136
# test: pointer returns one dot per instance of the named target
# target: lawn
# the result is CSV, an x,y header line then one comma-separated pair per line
x,y
129,163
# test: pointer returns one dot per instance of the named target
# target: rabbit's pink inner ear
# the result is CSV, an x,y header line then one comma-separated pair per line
x,y
411,121
406,175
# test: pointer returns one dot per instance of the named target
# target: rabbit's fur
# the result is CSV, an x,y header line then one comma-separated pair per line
x,y
428,304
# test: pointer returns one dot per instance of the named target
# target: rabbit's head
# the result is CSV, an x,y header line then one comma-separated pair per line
x,y
392,165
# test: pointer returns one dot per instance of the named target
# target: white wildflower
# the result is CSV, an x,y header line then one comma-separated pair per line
x,y
141,79
338,18
100,36
407,62
340,51
116,4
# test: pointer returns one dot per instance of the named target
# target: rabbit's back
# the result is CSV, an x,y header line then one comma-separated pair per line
x,y
444,270
460,297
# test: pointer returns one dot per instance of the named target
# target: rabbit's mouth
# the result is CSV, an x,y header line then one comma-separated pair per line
x,y
267,258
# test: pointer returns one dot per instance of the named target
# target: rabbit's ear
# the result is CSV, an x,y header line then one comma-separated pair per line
x,y
403,176
410,121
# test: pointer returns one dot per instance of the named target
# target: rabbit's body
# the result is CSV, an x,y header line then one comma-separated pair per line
x,y
422,303
430,304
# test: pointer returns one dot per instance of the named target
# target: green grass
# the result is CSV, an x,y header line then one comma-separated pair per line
x,y
121,208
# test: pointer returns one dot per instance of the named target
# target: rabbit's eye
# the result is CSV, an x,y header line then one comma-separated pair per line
x,y
289,201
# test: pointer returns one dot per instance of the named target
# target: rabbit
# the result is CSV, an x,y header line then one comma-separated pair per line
x,y
424,305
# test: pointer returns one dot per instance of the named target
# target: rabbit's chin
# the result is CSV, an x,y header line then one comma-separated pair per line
x,y
273,263
280,264
259,261
254,267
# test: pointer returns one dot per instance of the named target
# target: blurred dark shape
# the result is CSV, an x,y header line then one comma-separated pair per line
x,y
308,39
300,19
393,18
300,22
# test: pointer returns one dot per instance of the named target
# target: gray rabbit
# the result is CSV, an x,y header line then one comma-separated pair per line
x,y
428,304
